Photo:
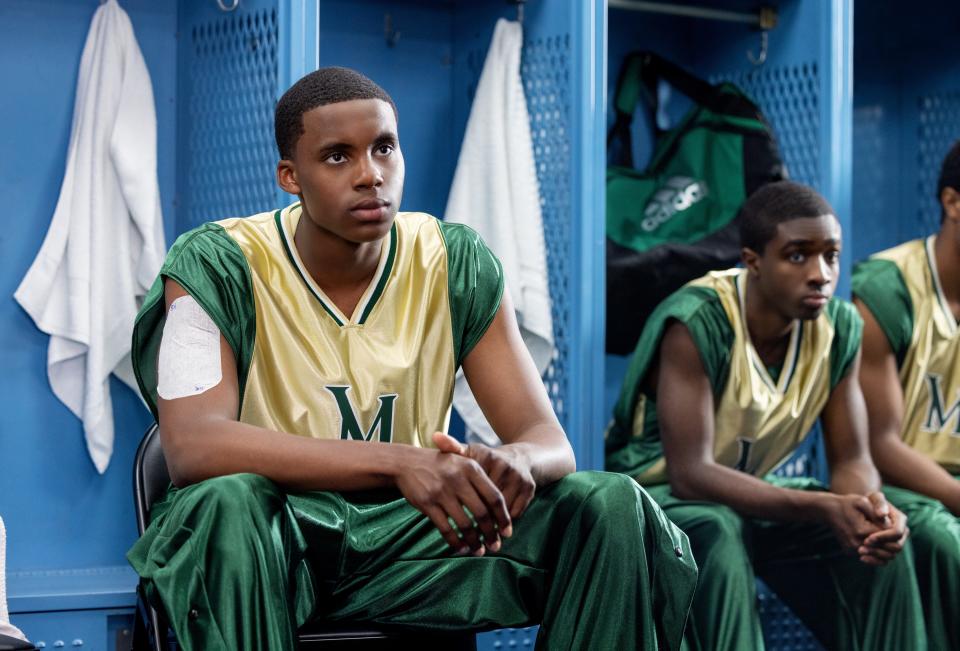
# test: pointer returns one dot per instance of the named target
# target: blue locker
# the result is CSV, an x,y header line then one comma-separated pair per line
x,y
804,87
906,114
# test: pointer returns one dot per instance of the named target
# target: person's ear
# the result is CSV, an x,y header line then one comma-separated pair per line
x,y
287,177
751,260
950,200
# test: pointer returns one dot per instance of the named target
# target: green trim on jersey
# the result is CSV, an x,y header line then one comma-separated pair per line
x,y
383,271
210,266
700,310
901,287
633,447
384,275
293,262
475,281
881,287
846,344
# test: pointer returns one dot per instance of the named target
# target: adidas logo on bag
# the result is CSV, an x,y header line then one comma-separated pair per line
x,y
676,195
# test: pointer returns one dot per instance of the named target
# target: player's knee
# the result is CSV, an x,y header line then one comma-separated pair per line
x,y
604,497
235,496
717,529
937,538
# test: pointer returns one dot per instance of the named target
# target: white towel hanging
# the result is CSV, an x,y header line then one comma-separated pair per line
x,y
495,192
105,243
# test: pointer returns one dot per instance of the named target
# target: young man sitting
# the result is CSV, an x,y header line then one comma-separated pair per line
x,y
730,374
909,297
301,367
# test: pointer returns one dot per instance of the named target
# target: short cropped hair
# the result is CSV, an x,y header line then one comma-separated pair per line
x,y
949,175
319,88
773,204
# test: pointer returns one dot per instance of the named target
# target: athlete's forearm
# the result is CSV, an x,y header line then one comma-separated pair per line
x,y
856,475
746,494
545,450
215,447
901,465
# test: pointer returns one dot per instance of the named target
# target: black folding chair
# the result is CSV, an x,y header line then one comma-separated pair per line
x,y
150,482
8,643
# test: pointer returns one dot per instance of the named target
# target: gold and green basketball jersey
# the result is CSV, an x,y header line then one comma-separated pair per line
x,y
901,287
761,414
384,373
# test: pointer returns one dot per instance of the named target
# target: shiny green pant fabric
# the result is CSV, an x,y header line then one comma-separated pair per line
x,y
236,563
846,604
935,540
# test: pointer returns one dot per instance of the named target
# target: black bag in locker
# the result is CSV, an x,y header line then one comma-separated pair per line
x,y
670,224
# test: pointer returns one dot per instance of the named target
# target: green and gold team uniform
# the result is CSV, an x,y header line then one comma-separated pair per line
x,y
236,563
761,414
901,288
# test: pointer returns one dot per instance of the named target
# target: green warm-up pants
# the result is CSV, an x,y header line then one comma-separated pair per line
x,y
846,604
935,541
236,563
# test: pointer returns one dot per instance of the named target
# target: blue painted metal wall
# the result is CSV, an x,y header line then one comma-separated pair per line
x,y
59,512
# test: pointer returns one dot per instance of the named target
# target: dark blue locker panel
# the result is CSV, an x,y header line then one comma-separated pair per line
x,y
782,631
906,116
789,96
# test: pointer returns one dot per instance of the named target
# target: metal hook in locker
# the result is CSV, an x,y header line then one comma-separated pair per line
x,y
391,34
519,4
224,7
764,47
767,20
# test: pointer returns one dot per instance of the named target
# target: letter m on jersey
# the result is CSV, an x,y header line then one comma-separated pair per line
x,y
938,417
349,424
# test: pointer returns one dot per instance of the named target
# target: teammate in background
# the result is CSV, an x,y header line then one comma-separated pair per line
x,y
730,374
301,367
909,297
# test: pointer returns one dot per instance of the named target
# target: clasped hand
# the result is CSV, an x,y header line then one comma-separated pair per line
x,y
870,526
471,493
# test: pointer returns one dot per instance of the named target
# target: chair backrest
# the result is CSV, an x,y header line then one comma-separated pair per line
x,y
150,476
150,481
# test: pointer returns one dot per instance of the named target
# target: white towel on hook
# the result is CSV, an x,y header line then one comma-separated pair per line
x,y
105,243
495,191
6,628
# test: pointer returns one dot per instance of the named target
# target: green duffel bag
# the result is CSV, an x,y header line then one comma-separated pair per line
x,y
676,219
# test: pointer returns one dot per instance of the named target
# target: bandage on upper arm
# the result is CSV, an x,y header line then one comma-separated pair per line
x,y
189,360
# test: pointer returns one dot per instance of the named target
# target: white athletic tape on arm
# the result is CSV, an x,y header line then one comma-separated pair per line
x,y
189,361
